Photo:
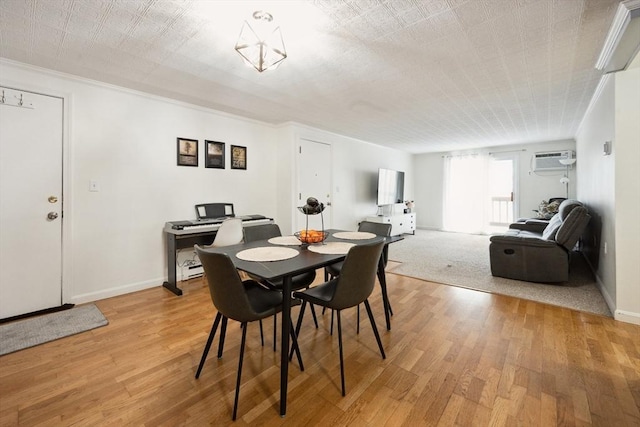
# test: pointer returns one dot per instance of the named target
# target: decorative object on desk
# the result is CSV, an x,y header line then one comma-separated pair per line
x,y
354,235
187,152
565,179
312,207
332,248
261,45
409,204
214,157
267,253
238,157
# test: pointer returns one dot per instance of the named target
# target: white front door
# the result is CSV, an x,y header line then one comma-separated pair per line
x,y
314,180
30,203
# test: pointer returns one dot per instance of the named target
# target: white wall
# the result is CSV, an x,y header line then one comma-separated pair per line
x,y
355,166
627,193
429,173
125,140
611,187
534,187
597,189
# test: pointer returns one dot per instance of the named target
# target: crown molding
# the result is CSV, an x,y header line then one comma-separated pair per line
x,y
628,10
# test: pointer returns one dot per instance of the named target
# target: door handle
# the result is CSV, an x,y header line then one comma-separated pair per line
x,y
52,215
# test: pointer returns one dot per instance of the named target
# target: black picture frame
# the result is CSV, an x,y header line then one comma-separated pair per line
x,y
214,154
187,152
238,157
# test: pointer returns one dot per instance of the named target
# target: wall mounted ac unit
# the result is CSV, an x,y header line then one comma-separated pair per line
x,y
549,161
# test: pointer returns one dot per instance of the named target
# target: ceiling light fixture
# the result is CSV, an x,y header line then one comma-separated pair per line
x,y
261,45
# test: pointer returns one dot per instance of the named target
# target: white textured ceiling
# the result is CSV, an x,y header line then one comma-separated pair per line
x,y
419,76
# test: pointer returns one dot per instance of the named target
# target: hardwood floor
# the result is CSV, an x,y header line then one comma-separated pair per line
x,y
455,357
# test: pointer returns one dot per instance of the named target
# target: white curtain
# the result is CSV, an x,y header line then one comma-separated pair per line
x,y
465,193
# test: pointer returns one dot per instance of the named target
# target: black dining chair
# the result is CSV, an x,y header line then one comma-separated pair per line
x,y
333,270
243,301
352,287
229,233
300,281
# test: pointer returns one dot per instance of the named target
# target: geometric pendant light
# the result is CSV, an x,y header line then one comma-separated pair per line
x,y
261,45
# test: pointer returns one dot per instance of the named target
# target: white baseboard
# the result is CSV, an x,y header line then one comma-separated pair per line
x,y
114,292
620,315
603,290
627,316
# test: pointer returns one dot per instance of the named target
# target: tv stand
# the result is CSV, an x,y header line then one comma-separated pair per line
x,y
400,223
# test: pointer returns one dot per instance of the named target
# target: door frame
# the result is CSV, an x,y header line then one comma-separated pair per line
x,y
67,207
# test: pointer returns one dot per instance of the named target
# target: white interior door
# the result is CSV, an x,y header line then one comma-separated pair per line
x,y
30,203
314,180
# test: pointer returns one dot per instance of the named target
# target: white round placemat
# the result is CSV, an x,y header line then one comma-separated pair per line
x,y
267,253
332,248
354,235
285,240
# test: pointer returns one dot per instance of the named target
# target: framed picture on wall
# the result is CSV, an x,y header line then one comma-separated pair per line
x,y
214,157
187,152
238,157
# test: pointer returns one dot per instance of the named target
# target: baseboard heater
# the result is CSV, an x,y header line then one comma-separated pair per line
x,y
190,272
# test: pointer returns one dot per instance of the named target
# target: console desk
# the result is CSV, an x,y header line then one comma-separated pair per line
x,y
400,224
185,234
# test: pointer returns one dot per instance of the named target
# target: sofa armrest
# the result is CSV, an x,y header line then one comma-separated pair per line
x,y
523,241
533,225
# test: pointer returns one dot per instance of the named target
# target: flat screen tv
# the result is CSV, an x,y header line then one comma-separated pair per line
x,y
390,187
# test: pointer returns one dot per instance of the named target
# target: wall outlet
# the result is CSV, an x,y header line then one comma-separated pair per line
x,y
94,186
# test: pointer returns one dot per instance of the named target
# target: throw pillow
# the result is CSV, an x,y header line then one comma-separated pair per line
x,y
547,210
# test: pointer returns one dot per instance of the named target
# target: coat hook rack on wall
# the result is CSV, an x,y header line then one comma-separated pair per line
x,y
19,102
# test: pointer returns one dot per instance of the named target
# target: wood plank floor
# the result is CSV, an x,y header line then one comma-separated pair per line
x,y
455,357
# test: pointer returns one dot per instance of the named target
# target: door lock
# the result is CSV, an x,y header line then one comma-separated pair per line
x,y
52,199
52,215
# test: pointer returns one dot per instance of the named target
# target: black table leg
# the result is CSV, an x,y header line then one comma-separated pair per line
x,y
284,348
385,298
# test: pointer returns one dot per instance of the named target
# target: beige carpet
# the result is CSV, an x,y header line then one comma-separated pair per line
x,y
463,260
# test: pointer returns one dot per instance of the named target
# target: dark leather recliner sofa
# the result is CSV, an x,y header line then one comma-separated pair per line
x,y
539,251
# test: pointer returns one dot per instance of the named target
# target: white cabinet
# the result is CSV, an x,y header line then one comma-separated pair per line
x,y
400,224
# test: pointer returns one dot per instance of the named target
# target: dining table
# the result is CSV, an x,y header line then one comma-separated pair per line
x,y
285,257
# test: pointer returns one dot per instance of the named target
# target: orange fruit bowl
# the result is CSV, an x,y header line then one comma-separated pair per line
x,y
311,236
